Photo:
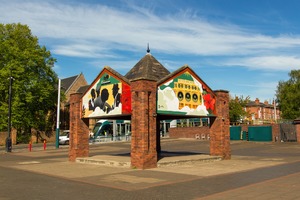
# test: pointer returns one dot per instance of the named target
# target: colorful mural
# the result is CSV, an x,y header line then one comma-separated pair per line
x,y
108,96
185,95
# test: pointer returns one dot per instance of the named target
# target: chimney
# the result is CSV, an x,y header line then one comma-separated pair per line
x,y
257,101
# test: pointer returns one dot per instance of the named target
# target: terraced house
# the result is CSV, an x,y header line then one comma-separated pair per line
x,y
260,113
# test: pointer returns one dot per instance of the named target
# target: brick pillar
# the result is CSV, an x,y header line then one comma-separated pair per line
x,y
297,126
219,130
298,132
275,133
79,130
143,124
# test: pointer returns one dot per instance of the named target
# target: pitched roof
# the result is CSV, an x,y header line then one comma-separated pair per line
x,y
147,68
83,89
255,104
66,83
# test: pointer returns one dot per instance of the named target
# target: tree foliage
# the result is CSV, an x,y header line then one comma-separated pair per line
x,y
237,108
34,90
288,96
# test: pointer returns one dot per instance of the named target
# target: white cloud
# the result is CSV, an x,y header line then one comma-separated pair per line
x,y
81,50
97,31
99,112
279,63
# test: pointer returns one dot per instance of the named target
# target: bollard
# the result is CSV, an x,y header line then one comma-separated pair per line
x,y
241,135
45,145
30,146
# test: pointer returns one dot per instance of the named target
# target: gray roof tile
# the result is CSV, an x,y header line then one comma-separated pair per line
x,y
148,68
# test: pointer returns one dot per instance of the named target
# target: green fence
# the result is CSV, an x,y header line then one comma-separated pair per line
x,y
255,133
260,133
235,132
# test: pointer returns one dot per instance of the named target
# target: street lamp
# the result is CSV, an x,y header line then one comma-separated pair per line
x,y
8,143
57,115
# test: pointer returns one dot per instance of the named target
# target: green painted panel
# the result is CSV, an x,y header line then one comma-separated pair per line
x,y
235,132
260,133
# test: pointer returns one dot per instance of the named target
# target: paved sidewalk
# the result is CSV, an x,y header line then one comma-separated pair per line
x,y
186,171
285,187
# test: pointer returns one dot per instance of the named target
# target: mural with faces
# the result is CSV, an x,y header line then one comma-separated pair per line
x,y
185,94
107,96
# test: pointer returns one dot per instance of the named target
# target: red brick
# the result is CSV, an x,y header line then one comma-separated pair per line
x,y
189,132
143,124
79,130
219,130
298,132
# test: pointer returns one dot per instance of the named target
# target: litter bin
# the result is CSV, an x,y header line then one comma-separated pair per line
x,y
8,144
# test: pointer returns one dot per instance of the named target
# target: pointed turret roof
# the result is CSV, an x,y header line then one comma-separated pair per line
x,y
148,68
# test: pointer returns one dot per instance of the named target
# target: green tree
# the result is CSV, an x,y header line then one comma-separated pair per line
x,y
288,96
34,90
237,108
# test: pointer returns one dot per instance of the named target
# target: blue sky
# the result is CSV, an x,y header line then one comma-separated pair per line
x,y
245,47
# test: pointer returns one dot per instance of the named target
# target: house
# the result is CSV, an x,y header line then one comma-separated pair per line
x,y
265,112
68,86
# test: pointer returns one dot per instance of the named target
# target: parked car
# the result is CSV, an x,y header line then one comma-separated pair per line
x,y
64,137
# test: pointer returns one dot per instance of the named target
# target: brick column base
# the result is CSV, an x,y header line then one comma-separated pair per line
x,y
143,160
79,130
219,139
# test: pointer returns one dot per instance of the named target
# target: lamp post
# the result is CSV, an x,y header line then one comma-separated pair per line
x,y
57,115
8,143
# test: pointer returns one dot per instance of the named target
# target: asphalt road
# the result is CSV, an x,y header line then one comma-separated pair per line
x,y
28,175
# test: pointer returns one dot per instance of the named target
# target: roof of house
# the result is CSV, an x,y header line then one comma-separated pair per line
x,y
66,83
147,68
254,104
258,104
83,89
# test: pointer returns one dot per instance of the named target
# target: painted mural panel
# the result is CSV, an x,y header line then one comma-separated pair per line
x,y
108,96
185,95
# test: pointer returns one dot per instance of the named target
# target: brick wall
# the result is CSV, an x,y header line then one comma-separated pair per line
x,y
189,132
3,136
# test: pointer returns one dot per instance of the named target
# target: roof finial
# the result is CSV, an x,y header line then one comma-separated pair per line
x,y
148,49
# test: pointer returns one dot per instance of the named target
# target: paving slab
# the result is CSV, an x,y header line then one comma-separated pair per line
x,y
193,170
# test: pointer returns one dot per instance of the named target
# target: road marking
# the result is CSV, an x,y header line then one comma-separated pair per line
x,y
28,162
